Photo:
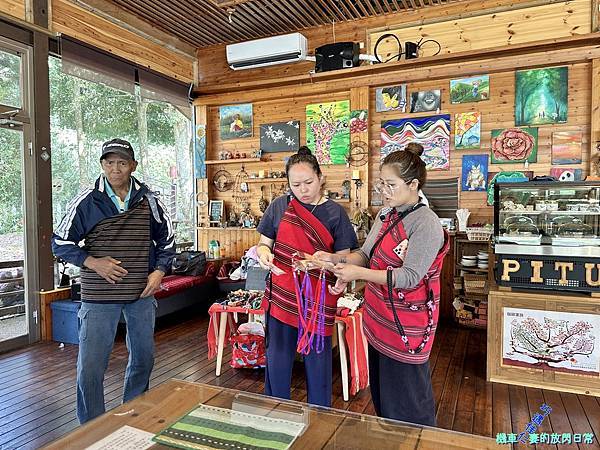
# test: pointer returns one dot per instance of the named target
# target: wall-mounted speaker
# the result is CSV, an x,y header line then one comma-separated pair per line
x,y
341,55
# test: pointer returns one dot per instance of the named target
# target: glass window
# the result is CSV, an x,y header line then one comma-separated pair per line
x,y
84,114
10,79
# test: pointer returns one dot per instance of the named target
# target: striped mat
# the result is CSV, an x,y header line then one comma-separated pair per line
x,y
209,427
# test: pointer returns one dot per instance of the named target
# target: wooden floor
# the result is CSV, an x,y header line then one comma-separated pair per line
x,y
37,387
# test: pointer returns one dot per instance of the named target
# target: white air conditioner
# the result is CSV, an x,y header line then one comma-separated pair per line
x,y
283,49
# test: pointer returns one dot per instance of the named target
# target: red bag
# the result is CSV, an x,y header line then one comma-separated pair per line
x,y
247,351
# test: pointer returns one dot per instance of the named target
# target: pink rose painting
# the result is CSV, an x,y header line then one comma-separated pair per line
x,y
514,145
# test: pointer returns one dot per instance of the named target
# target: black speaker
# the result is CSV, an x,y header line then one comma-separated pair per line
x,y
341,55
411,50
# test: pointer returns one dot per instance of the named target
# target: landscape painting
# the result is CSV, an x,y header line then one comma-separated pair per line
x,y
541,96
235,121
467,90
432,132
566,147
467,130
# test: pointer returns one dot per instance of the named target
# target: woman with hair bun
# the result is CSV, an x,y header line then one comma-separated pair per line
x,y
401,261
303,222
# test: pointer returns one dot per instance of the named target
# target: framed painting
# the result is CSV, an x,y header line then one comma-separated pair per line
x,y
541,96
467,90
514,145
235,121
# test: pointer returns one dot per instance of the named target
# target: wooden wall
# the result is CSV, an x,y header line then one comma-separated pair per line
x,y
141,48
285,102
534,20
487,30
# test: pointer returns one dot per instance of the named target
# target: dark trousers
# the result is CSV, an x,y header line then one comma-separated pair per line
x,y
401,391
281,352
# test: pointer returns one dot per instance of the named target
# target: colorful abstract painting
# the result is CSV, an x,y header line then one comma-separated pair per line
x,y
391,98
474,172
328,131
359,121
467,90
566,147
505,177
426,101
235,121
280,136
432,132
566,174
541,96
467,130
514,145
551,340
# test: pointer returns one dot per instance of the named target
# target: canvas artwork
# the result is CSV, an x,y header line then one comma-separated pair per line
x,y
541,96
235,121
432,132
467,130
328,131
359,121
566,174
391,98
426,101
514,145
505,177
200,151
467,90
280,136
474,172
566,147
549,340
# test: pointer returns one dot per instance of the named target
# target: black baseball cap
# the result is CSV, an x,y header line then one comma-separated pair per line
x,y
118,146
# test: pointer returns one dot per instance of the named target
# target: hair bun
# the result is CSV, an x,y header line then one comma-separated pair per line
x,y
304,150
414,148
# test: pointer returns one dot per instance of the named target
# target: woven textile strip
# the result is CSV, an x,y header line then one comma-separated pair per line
x,y
208,427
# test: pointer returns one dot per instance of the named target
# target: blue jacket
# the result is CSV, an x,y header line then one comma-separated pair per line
x,y
94,205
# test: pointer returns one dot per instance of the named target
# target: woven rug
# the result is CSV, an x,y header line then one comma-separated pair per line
x,y
209,427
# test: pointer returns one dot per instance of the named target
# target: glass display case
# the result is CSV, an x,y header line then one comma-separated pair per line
x,y
548,214
547,235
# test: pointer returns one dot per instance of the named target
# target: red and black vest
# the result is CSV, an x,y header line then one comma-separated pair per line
x,y
408,337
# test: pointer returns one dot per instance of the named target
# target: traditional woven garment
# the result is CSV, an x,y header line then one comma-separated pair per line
x,y
299,231
126,238
417,308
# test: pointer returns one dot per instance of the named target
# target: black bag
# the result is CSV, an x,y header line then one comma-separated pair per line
x,y
189,263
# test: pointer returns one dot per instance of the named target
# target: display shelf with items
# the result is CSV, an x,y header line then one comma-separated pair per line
x,y
547,235
470,281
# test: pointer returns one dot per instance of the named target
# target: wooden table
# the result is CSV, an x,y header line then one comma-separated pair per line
x,y
327,428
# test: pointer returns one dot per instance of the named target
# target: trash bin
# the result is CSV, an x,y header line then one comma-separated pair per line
x,y
65,323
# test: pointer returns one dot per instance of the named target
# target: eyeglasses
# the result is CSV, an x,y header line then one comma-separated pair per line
x,y
381,187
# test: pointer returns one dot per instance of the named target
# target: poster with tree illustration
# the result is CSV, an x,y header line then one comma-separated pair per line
x,y
467,130
558,341
328,131
541,96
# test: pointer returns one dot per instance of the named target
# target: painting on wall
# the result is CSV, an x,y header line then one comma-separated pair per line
x,y
200,151
280,136
514,145
551,340
505,177
358,121
467,90
566,147
426,101
391,98
541,96
235,121
566,174
474,172
328,131
467,130
432,132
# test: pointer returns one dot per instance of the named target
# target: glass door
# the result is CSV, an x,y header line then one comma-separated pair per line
x,y
16,321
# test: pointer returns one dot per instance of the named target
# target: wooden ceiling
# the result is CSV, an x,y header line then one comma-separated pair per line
x,y
201,23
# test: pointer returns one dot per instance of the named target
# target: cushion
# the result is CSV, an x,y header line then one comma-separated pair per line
x,y
171,284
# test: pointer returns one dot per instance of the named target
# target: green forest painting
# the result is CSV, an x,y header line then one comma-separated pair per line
x,y
541,96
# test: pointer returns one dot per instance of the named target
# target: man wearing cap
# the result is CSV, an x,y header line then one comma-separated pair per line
x,y
121,237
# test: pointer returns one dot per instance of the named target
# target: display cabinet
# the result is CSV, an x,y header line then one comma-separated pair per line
x,y
547,235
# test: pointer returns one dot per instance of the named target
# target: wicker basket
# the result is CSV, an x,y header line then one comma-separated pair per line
x,y
475,284
478,234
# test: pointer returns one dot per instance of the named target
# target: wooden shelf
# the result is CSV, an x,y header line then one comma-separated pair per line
x,y
232,161
341,200
471,269
266,180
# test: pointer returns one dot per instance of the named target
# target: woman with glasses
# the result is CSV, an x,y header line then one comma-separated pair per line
x,y
293,226
401,261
